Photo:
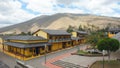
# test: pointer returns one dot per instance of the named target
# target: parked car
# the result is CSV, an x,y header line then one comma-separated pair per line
x,y
94,51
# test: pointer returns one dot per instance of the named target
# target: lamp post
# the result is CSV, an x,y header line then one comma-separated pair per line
x,y
103,52
45,53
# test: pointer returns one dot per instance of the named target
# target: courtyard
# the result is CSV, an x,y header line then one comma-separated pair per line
x,y
62,58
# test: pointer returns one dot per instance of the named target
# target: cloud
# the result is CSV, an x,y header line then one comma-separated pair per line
x,y
67,2
11,13
16,11
42,6
98,7
8,7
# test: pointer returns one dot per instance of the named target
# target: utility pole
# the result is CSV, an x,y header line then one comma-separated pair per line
x,y
103,52
45,53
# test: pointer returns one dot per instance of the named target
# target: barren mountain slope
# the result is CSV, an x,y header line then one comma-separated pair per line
x,y
59,21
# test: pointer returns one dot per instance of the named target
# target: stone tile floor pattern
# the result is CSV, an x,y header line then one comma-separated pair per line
x,y
64,64
3,65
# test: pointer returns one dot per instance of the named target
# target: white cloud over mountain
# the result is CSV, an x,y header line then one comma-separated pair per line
x,y
15,11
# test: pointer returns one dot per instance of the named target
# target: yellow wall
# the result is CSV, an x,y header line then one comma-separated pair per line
x,y
56,46
1,44
68,44
110,35
60,45
42,34
42,51
32,41
74,42
74,34
18,50
78,42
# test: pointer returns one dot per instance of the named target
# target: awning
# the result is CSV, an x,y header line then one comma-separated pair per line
x,y
24,45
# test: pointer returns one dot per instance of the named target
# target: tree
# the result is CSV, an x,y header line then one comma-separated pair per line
x,y
29,33
109,25
108,44
81,28
23,33
94,37
70,29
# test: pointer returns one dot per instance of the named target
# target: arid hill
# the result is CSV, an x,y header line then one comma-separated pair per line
x,y
59,21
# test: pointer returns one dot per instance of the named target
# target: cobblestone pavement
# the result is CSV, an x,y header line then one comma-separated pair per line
x,y
64,64
37,62
3,65
81,60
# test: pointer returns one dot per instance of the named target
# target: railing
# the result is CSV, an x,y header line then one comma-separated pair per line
x,y
60,40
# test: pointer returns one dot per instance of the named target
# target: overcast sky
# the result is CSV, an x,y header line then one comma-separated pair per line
x,y
16,11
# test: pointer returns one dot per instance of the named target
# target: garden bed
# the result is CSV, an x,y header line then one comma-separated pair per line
x,y
84,53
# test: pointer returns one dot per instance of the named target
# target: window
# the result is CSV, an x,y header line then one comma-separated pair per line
x,y
69,42
36,34
115,32
50,37
43,48
30,49
112,32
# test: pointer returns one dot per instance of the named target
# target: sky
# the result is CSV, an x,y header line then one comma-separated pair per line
x,y
17,11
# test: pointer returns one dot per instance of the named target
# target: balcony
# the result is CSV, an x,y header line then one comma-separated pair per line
x,y
60,40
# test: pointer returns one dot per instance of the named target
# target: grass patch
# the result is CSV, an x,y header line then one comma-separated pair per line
x,y
85,53
107,64
82,52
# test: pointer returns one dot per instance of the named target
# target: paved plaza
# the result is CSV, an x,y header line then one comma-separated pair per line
x,y
36,62
3,65
81,60
64,64
67,58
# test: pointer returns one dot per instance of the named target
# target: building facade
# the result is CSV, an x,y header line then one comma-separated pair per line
x,y
78,37
117,36
113,31
1,45
25,47
58,38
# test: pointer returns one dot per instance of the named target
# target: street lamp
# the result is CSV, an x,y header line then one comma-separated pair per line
x,y
103,52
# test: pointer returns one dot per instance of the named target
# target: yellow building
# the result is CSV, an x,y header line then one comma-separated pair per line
x,y
76,41
117,36
78,37
58,38
25,47
1,44
113,31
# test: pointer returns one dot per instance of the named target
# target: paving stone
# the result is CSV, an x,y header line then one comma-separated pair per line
x,y
64,64
3,65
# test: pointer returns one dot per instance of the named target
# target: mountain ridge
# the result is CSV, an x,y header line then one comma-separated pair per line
x,y
59,21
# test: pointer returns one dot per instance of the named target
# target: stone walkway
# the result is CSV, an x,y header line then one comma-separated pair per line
x,y
71,61
3,65
81,60
64,64
50,61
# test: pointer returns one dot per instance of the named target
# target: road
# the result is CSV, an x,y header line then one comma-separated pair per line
x,y
37,62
